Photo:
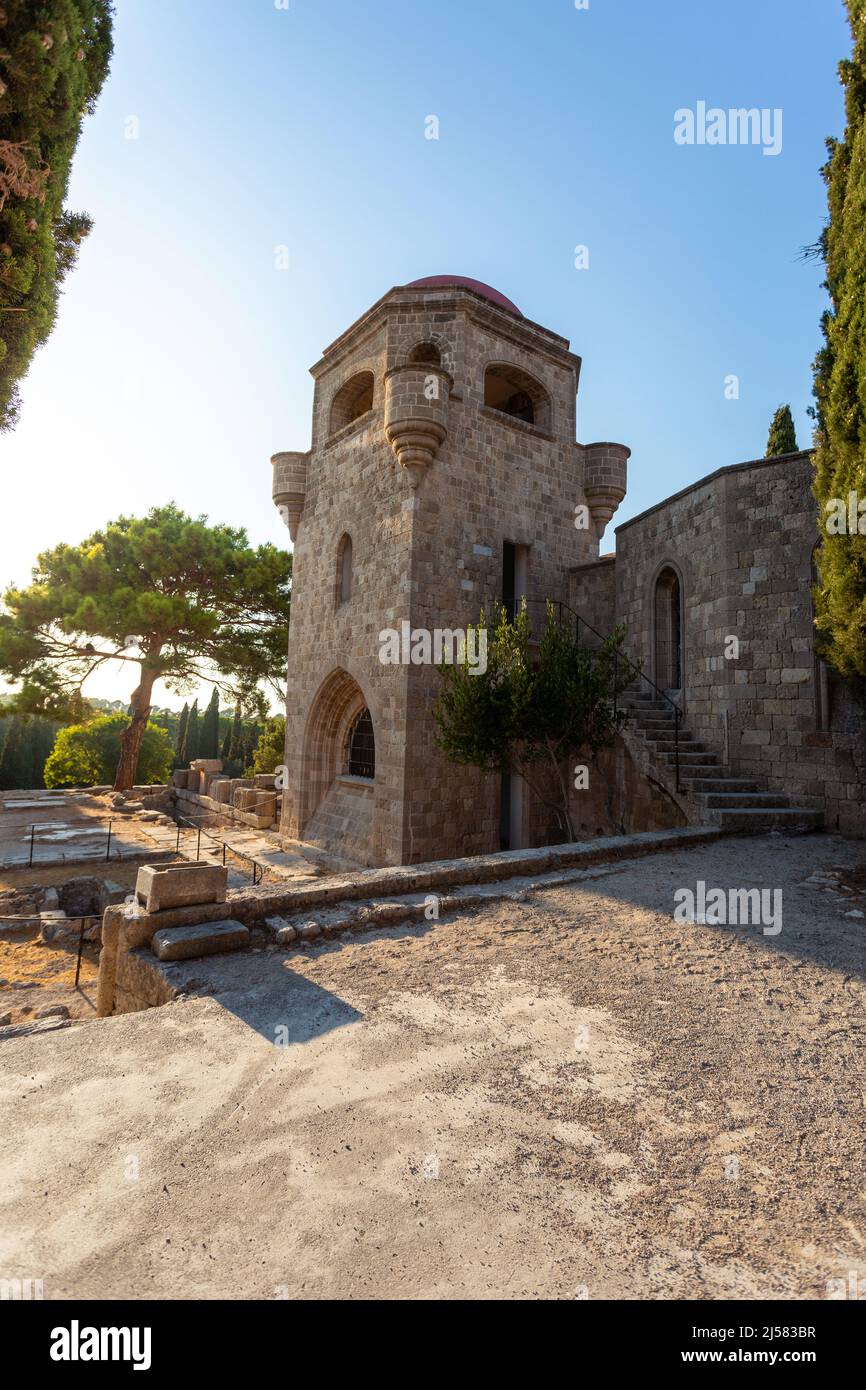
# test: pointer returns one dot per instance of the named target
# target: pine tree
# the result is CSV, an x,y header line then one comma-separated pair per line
x,y
210,728
180,742
54,61
783,436
191,739
840,382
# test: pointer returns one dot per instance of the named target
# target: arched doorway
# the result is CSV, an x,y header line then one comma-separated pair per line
x,y
338,770
668,627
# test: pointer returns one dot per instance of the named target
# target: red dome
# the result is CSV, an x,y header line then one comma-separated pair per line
x,y
433,282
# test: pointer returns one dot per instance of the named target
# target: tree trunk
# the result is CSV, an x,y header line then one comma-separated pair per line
x,y
564,810
130,739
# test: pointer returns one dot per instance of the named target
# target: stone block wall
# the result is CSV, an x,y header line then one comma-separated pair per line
x,y
742,541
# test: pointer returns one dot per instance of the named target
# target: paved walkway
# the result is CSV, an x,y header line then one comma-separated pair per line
x,y
571,1096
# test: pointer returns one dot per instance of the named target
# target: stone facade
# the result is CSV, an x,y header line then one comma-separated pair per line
x,y
443,473
740,544
460,466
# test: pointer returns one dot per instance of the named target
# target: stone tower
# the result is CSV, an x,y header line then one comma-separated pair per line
x,y
443,474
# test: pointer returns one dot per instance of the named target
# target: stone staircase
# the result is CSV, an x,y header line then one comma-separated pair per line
x,y
735,804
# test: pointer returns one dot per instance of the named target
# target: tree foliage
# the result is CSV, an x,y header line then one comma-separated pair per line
x,y
840,375
783,436
271,748
531,711
87,754
25,743
191,736
180,740
175,597
54,57
209,738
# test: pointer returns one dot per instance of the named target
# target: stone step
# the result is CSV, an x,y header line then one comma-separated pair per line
x,y
669,745
699,758
725,800
692,770
721,783
794,820
208,939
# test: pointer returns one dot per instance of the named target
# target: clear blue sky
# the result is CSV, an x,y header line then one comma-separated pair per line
x,y
180,359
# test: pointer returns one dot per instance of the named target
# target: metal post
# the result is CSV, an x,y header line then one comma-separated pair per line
x,y
80,946
108,842
177,841
32,833
198,845
224,851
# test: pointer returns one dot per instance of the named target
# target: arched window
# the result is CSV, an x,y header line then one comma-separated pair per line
x,y
516,393
354,399
344,569
668,621
361,747
426,354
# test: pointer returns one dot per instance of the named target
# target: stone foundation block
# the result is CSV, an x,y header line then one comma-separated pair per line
x,y
180,885
208,939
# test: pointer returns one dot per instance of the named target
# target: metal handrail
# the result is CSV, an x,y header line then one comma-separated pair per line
x,y
514,606
258,867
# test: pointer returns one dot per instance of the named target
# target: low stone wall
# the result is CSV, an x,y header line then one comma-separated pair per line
x,y
265,818
128,929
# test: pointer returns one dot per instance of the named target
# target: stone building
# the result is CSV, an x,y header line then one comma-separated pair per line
x,y
443,473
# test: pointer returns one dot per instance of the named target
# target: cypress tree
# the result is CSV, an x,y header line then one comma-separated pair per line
x,y
783,436
191,739
210,728
13,760
840,381
236,744
225,751
54,61
180,741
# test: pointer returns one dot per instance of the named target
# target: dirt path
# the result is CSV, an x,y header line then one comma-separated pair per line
x,y
572,1096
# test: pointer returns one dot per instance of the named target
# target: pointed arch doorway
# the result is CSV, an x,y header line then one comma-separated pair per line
x,y
668,631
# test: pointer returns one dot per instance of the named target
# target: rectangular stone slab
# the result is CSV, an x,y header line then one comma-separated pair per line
x,y
208,939
180,885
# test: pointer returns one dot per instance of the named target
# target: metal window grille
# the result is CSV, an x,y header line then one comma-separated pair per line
x,y
361,747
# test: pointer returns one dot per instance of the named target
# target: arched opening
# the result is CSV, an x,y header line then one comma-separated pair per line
x,y
344,569
354,399
426,354
338,766
668,621
360,760
515,393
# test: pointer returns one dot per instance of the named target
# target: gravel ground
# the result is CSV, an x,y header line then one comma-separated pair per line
x,y
572,1096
